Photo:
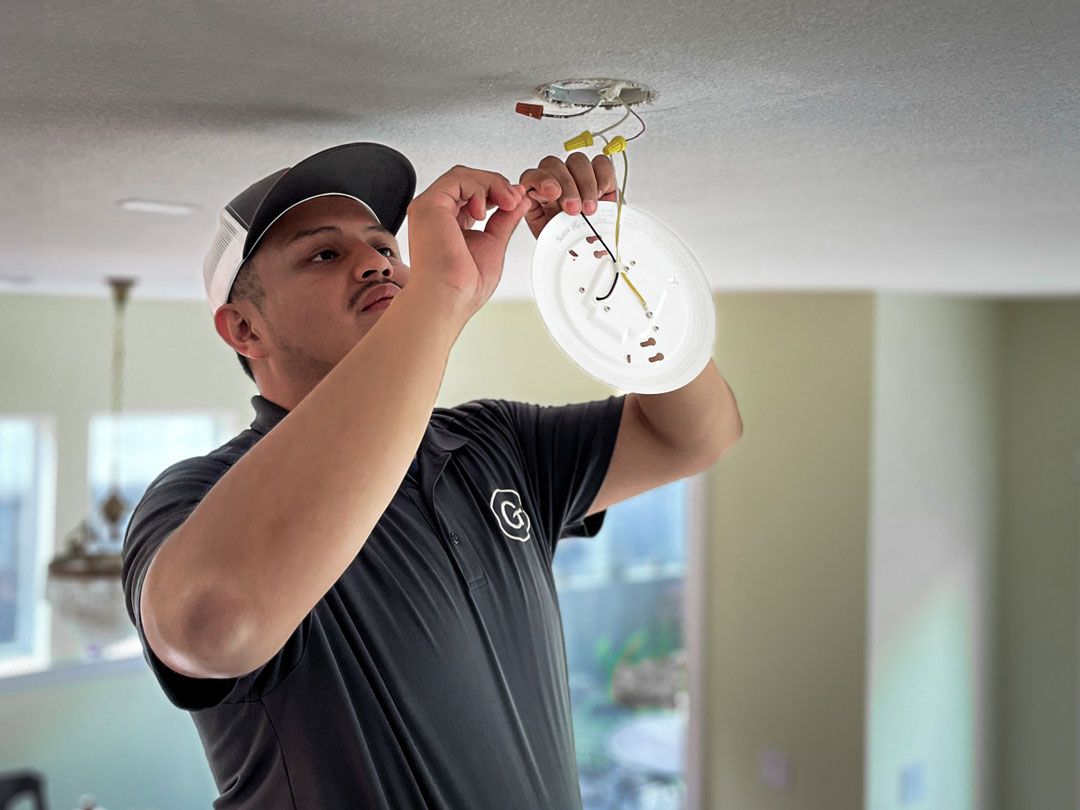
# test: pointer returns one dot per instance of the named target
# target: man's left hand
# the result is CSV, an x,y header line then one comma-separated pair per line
x,y
573,186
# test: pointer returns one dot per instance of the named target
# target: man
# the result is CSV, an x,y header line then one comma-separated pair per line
x,y
354,597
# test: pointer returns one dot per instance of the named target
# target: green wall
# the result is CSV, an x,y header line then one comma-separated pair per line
x,y
1037,661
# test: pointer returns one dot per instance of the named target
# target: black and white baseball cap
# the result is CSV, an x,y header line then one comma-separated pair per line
x,y
378,177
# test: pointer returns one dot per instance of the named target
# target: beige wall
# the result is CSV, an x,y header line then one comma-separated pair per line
x,y
934,520
505,352
1037,663
787,554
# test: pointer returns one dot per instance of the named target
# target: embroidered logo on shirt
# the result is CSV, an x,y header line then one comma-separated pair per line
x,y
512,519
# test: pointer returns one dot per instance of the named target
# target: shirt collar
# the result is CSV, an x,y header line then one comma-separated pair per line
x,y
268,414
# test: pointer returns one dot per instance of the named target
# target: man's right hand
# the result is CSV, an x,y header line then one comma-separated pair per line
x,y
445,251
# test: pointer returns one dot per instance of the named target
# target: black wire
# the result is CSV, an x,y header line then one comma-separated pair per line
x,y
609,292
609,253
598,236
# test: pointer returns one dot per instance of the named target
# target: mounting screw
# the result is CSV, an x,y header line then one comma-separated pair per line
x,y
581,289
648,313
607,309
656,328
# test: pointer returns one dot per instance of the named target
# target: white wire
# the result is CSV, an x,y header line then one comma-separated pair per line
x,y
577,114
616,124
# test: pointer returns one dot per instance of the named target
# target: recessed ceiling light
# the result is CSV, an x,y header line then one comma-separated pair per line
x,y
158,207
604,93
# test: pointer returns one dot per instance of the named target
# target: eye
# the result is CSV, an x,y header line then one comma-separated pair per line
x,y
325,255
387,251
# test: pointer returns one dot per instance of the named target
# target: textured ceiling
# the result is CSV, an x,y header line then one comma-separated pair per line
x,y
804,144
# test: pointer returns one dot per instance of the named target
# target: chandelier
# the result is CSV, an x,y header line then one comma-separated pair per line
x,y
83,583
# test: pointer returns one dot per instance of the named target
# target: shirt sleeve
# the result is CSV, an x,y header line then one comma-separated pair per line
x,y
568,450
167,503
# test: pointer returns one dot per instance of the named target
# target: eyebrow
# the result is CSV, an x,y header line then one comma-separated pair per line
x,y
323,228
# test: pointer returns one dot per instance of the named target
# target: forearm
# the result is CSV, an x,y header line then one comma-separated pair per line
x,y
281,526
699,419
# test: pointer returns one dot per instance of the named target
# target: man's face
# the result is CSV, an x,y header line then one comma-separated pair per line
x,y
322,266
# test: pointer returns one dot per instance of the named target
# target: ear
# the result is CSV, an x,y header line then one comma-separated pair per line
x,y
235,325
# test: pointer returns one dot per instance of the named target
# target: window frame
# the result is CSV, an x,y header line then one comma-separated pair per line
x,y
693,571
226,420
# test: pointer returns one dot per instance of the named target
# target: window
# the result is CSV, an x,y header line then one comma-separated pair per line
x,y
25,503
623,596
137,447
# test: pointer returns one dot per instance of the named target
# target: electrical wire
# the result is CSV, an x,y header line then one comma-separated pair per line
x,y
621,193
598,236
640,120
575,115
618,215
618,253
622,200
616,124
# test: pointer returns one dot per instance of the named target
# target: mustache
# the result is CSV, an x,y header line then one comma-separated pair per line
x,y
356,296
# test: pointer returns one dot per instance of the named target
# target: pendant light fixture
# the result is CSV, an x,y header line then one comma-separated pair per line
x,y
83,581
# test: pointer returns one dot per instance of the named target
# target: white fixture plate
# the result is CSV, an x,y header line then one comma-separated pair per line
x,y
648,349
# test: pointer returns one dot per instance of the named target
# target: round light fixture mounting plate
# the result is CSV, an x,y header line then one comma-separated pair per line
x,y
652,330
586,93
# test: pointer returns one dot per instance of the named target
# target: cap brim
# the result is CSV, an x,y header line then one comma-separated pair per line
x,y
381,177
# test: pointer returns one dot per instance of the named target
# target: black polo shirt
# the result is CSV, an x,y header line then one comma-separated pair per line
x,y
433,673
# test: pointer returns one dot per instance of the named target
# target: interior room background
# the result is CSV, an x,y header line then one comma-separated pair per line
x,y
888,568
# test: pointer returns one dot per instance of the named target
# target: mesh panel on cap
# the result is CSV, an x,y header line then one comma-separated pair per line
x,y
223,260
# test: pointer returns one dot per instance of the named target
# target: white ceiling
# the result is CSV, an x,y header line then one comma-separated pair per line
x,y
809,144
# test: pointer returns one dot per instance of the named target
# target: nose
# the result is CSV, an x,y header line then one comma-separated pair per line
x,y
372,264
369,275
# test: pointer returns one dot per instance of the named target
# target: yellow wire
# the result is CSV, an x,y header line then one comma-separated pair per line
x,y
618,210
618,219
626,278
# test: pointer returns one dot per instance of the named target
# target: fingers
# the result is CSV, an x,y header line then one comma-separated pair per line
x,y
574,186
581,169
542,185
604,170
472,192
502,223
476,207
569,199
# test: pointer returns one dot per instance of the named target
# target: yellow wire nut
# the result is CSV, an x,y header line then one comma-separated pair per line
x,y
580,142
618,143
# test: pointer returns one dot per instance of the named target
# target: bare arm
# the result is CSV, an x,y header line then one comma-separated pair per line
x,y
228,587
665,437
